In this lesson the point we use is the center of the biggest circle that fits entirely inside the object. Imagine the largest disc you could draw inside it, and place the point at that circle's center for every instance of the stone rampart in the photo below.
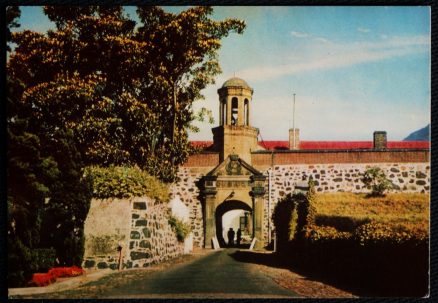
(332, 171)
(407, 177)
(139, 225)
(188, 192)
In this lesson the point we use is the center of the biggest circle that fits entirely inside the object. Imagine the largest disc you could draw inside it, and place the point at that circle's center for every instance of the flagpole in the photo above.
(293, 123)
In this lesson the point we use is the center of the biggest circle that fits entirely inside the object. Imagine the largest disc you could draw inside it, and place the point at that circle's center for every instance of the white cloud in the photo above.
(363, 30)
(321, 39)
(299, 34)
(307, 35)
(339, 55)
(325, 118)
(351, 115)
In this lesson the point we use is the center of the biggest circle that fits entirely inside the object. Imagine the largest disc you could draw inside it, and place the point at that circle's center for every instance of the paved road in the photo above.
(214, 275)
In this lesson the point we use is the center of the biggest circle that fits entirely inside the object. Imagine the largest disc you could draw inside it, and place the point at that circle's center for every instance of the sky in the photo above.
(353, 70)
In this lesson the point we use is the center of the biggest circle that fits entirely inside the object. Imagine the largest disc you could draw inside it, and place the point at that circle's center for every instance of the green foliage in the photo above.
(307, 208)
(375, 180)
(42, 259)
(374, 233)
(64, 214)
(293, 224)
(19, 262)
(379, 252)
(372, 257)
(326, 234)
(126, 182)
(182, 230)
(23, 261)
(341, 223)
(294, 216)
(98, 90)
(284, 220)
(132, 87)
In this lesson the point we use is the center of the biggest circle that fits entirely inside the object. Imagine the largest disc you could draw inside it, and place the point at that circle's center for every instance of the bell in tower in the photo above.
(234, 135)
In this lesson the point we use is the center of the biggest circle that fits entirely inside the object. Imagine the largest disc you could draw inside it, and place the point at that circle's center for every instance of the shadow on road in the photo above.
(346, 280)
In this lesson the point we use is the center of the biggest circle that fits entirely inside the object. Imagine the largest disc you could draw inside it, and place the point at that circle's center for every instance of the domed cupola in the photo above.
(236, 82)
(234, 135)
(234, 97)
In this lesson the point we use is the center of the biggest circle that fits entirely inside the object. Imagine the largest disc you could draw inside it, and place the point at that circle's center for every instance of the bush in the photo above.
(326, 234)
(42, 259)
(309, 211)
(181, 229)
(126, 182)
(375, 180)
(341, 223)
(293, 215)
(19, 263)
(386, 257)
(23, 262)
(379, 233)
(285, 220)
(293, 223)
(376, 260)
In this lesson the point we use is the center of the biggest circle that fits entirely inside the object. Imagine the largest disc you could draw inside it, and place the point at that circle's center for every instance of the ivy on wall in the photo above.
(125, 182)
(181, 229)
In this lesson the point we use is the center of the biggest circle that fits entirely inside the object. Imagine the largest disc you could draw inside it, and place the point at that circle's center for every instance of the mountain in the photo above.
(419, 135)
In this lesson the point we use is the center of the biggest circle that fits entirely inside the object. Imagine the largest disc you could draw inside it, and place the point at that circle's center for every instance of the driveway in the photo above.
(215, 275)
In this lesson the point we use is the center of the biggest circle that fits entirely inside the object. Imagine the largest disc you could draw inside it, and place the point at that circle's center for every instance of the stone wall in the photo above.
(407, 177)
(139, 225)
(329, 177)
(188, 192)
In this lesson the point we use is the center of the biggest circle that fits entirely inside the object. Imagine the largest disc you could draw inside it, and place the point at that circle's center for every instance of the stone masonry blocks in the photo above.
(148, 237)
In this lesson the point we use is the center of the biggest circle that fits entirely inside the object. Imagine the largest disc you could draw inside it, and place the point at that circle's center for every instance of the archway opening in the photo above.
(234, 215)
(224, 113)
(246, 112)
(234, 111)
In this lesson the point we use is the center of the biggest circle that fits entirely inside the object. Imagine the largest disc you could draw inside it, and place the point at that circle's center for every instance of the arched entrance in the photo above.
(233, 184)
(222, 227)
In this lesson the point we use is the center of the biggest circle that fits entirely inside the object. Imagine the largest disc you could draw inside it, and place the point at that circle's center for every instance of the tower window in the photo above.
(234, 111)
(224, 113)
(246, 112)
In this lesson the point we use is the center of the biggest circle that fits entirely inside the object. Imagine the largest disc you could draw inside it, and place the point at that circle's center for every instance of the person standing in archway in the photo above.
(230, 235)
(239, 236)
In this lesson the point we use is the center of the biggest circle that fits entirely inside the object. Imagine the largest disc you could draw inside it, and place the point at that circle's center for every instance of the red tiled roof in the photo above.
(409, 144)
(307, 145)
(201, 144)
(272, 145)
(336, 144)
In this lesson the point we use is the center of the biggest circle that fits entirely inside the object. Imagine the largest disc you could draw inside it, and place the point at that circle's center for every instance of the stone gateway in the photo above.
(238, 172)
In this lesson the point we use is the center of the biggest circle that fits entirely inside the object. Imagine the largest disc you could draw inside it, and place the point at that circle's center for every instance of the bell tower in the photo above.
(235, 135)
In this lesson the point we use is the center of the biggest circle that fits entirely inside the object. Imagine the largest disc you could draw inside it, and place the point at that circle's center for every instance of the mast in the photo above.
(293, 123)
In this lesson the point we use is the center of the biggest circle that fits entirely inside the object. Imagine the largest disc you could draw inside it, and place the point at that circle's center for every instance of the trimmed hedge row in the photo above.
(367, 257)
(370, 260)
(382, 259)
(369, 233)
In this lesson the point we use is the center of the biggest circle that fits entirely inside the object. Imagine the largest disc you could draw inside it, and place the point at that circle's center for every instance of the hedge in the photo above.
(126, 182)
(378, 259)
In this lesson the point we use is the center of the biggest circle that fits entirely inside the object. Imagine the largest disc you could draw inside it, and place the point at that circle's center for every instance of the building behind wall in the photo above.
(237, 163)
